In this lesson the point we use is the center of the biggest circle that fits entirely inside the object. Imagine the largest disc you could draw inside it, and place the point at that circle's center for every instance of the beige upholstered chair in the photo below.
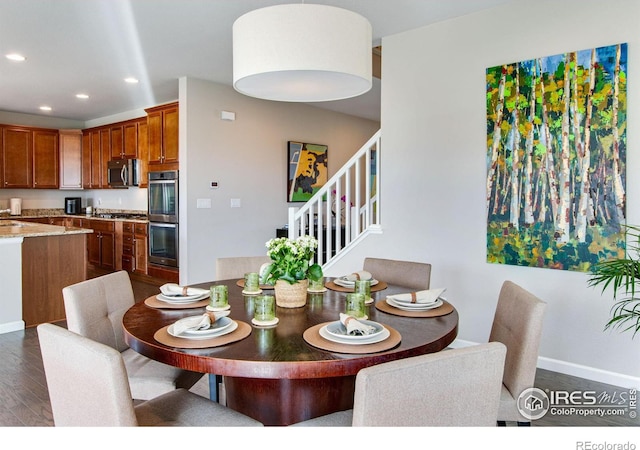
(414, 275)
(518, 325)
(236, 267)
(88, 386)
(95, 308)
(459, 387)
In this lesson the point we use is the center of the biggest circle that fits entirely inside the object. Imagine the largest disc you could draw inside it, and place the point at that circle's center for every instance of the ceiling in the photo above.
(90, 46)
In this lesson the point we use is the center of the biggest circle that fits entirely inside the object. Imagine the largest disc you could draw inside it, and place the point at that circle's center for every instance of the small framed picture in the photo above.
(307, 170)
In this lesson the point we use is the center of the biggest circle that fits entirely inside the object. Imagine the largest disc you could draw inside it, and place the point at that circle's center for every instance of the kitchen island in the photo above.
(36, 262)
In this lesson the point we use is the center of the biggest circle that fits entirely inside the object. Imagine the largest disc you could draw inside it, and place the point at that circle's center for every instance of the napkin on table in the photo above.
(422, 297)
(175, 290)
(198, 323)
(361, 275)
(354, 326)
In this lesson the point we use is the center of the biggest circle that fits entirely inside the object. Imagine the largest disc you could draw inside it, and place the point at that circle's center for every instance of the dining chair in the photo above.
(88, 386)
(409, 274)
(236, 267)
(458, 387)
(518, 325)
(94, 309)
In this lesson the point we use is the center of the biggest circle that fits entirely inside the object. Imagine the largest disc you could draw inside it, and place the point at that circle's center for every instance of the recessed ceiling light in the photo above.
(82, 96)
(15, 57)
(45, 108)
(131, 80)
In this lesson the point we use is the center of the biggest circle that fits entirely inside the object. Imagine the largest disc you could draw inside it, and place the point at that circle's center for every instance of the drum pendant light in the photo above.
(302, 53)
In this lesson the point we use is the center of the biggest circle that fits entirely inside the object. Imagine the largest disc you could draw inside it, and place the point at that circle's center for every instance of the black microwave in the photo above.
(122, 173)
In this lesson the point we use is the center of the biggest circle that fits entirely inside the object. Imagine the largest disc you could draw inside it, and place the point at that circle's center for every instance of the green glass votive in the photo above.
(264, 308)
(251, 282)
(219, 297)
(363, 287)
(316, 285)
(354, 305)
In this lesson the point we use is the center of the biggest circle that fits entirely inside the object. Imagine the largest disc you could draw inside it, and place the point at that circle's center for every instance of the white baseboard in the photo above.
(575, 370)
(12, 326)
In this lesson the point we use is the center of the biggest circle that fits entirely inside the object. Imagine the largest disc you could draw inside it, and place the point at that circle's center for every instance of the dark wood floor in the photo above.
(24, 400)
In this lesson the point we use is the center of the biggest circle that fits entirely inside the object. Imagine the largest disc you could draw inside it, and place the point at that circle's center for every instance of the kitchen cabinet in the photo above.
(29, 158)
(134, 247)
(116, 142)
(101, 248)
(130, 139)
(45, 159)
(143, 151)
(70, 148)
(92, 165)
(162, 122)
(17, 157)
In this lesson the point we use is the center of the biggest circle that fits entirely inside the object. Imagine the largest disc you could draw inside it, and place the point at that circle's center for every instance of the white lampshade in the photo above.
(302, 53)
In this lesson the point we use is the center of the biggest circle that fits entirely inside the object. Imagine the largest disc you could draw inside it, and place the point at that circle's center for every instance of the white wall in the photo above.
(434, 171)
(248, 158)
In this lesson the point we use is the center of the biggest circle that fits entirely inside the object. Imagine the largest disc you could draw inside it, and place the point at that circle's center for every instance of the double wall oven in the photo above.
(163, 218)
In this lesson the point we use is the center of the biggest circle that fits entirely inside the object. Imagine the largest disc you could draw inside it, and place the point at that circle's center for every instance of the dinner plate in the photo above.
(350, 284)
(181, 299)
(405, 299)
(218, 328)
(415, 306)
(342, 340)
(227, 330)
(338, 330)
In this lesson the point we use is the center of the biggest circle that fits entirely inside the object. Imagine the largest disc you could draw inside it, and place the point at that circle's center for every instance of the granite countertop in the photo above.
(16, 228)
(54, 212)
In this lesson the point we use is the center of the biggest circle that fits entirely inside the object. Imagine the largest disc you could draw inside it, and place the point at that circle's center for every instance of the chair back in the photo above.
(413, 275)
(518, 325)
(95, 307)
(459, 387)
(236, 267)
(87, 381)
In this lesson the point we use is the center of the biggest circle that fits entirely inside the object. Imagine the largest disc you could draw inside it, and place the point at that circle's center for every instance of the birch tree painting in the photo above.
(556, 149)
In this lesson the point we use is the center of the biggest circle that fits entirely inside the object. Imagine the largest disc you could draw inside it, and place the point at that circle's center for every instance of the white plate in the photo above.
(371, 340)
(338, 330)
(219, 327)
(405, 299)
(227, 330)
(180, 299)
(350, 284)
(415, 307)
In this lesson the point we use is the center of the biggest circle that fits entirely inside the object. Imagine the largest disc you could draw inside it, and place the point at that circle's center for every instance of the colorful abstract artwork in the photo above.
(556, 159)
(307, 169)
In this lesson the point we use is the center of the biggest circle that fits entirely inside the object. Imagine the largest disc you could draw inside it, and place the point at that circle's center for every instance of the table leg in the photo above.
(214, 387)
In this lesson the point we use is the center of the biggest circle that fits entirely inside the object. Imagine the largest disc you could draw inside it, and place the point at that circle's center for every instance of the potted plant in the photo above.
(622, 275)
(291, 269)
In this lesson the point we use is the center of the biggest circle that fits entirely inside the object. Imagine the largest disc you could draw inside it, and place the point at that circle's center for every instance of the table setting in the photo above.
(174, 296)
(425, 303)
(347, 283)
(351, 335)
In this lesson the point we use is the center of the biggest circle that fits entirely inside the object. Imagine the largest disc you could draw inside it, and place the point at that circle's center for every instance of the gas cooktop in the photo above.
(122, 216)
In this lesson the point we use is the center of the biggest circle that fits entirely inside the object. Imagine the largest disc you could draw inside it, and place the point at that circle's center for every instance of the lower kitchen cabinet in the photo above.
(101, 244)
(134, 247)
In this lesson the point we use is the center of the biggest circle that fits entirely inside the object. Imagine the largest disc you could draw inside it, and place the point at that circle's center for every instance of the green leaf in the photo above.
(315, 272)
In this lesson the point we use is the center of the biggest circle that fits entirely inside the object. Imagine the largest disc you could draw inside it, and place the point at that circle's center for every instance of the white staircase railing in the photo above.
(348, 206)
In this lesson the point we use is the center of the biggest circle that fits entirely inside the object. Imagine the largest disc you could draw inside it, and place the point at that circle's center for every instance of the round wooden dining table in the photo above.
(274, 375)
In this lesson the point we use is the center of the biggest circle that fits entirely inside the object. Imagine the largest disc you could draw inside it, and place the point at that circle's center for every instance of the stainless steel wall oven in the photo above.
(163, 218)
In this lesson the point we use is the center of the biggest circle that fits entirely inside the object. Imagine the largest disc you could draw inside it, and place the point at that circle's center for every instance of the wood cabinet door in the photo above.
(143, 152)
(93, 248)
(17, 157)
(108, 250)
(170, 134)
(140, 248)
(130, 140)
(86, 159)
(154, 134)
(116, 143)
(105, 155)
(96, 160)
(45, 159)
(71, 166)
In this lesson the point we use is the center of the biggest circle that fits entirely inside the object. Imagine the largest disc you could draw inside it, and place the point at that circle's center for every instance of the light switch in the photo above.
(235, 203)
(203, 203)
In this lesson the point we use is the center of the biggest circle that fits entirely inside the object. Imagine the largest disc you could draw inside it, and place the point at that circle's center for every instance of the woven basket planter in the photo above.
(291, 295)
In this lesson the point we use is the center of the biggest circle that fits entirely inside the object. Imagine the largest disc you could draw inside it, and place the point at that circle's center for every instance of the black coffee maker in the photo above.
(73, 205)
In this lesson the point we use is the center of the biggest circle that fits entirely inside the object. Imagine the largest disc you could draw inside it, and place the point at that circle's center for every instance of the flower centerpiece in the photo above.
(291, 268)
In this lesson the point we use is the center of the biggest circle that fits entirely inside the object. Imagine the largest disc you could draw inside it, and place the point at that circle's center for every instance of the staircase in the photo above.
(346, 208)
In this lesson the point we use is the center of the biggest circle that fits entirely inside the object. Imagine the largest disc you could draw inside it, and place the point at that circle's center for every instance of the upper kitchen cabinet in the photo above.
(45, 159)
(17, 157)
(70, 149)
(162, 122)
(92, 173)
(29, 158)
